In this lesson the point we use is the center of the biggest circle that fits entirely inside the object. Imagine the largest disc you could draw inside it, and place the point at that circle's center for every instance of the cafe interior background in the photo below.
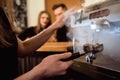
(104, 67)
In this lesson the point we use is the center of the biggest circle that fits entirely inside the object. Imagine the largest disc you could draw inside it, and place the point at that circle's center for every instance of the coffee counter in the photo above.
(54, 47)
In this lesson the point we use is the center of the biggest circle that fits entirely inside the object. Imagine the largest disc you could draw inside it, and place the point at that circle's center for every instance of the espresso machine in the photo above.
(95, 34)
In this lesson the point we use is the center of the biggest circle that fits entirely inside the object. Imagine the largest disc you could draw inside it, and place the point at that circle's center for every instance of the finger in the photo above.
(63, 72)
(69, 13)
(69, 63)
(63, 55)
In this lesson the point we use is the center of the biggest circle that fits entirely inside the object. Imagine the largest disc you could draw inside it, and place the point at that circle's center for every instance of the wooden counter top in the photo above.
(54, 47)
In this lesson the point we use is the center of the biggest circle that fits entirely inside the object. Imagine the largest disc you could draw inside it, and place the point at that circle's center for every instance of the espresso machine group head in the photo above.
(90, 50)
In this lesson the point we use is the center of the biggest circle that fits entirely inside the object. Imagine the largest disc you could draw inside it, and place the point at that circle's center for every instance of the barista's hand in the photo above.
(52, 65)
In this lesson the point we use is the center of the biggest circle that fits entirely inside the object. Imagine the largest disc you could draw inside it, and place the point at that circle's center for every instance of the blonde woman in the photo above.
(44, 21)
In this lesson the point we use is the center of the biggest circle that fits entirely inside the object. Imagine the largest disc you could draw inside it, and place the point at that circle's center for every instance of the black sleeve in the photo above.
(29, 32)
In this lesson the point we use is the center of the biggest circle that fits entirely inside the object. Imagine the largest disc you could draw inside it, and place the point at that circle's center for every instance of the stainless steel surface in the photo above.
(105, 23)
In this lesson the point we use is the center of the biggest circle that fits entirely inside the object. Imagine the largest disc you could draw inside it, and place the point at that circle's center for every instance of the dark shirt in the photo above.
(8, 57)
(61, 34)
(29, 32)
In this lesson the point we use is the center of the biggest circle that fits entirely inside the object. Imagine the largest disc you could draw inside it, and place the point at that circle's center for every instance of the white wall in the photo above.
(33, 8)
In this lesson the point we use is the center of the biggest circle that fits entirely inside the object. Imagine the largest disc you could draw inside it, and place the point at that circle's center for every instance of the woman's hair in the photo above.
(38, 27)
(4, 24)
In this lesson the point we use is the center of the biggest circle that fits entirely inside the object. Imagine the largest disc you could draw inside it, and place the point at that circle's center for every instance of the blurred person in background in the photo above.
(61, 34)
(44, 21)
(11, 47)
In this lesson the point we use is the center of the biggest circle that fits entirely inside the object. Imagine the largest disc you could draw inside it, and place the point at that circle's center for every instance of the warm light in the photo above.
(92, 2)
(93, 26)
(79, 10)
